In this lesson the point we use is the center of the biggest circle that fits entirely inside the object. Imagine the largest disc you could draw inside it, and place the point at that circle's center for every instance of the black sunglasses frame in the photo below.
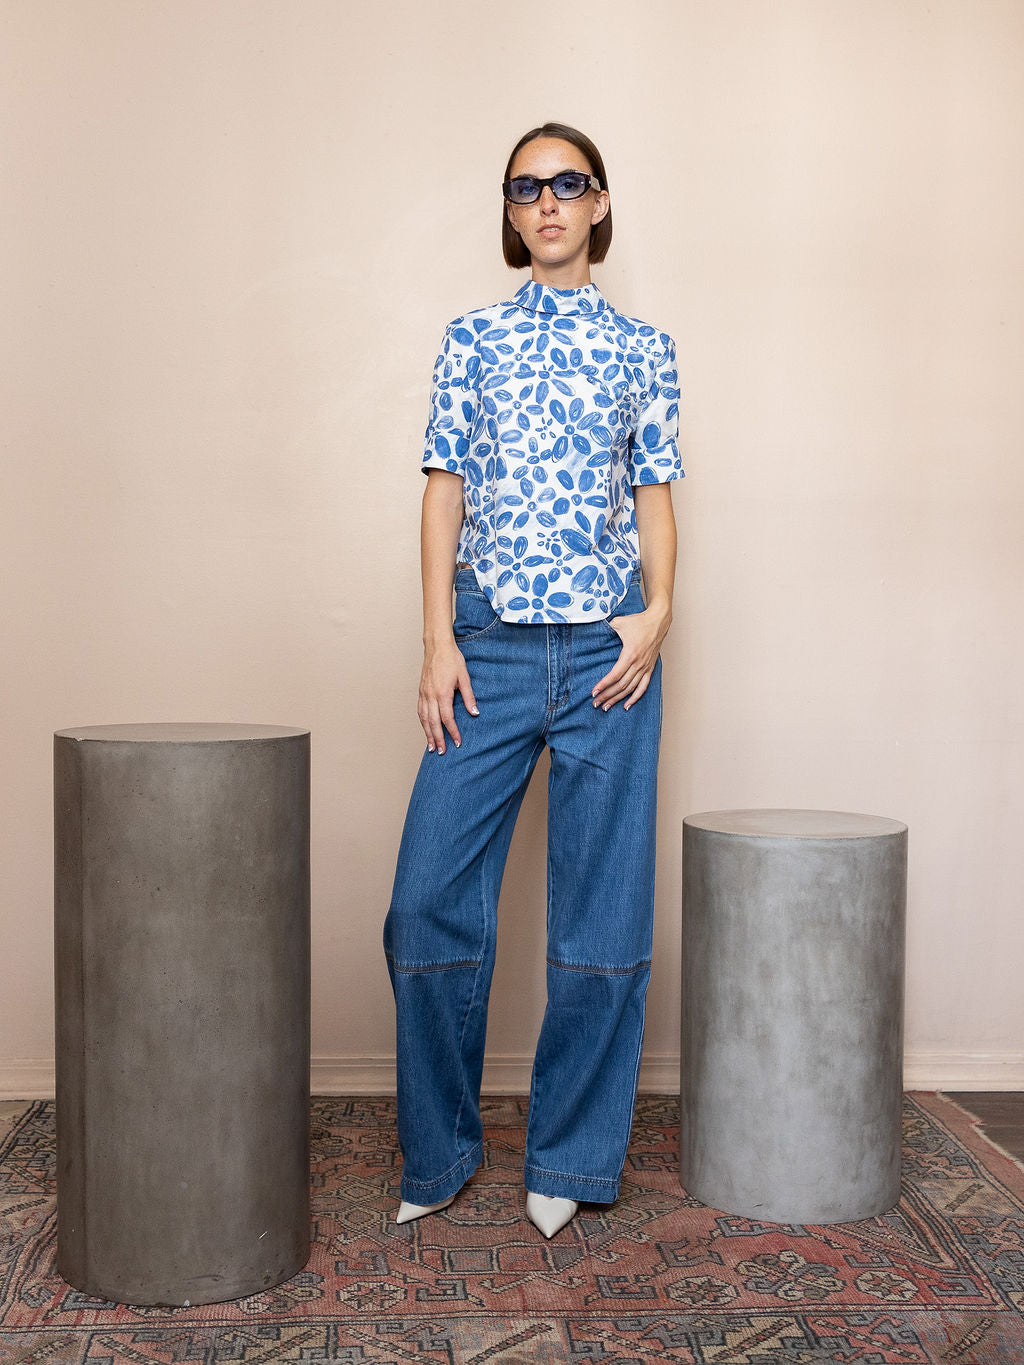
(591, 183)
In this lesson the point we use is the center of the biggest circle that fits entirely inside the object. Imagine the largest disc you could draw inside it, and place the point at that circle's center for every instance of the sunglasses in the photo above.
(526, 189)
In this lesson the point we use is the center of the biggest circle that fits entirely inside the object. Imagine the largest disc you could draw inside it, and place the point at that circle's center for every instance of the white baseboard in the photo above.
(963, 1071)
(503, 1075)
(27, 1078)
(32, 1078)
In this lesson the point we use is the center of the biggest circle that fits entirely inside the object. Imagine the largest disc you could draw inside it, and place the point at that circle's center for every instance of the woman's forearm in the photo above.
(656, 530)
(642, 632)
(440, 524)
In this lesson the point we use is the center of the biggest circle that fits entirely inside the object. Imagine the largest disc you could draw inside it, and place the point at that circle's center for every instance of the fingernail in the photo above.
(430, 748)
(475, 710)
(458, 744)
(605, 708)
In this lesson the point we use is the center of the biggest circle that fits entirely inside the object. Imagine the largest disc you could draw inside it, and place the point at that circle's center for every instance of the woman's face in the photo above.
(556, 232)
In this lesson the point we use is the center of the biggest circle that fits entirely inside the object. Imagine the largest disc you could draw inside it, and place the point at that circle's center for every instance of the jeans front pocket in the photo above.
(474, 615)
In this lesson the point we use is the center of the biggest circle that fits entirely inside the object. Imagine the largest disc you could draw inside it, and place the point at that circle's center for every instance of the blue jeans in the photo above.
(532, 684)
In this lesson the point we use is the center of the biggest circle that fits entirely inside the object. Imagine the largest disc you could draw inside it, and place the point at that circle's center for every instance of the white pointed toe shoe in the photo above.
(548, 1212)
(407, 1212)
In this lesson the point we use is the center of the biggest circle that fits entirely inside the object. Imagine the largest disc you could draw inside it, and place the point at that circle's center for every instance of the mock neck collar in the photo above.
(544, 298)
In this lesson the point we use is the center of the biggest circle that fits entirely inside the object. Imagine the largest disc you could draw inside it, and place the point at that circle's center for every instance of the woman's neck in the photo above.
(572, 276)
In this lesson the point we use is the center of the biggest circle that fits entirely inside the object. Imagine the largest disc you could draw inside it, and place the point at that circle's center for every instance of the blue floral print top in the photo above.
(552, 406)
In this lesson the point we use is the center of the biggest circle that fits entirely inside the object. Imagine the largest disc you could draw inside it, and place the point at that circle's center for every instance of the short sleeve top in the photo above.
(552, 406)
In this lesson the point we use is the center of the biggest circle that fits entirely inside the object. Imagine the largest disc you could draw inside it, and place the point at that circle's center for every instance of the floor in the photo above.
(1000, 1112)
(9, 1111)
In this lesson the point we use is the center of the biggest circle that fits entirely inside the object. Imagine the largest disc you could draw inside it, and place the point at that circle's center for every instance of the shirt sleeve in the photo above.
(452, 404)
(654, 443)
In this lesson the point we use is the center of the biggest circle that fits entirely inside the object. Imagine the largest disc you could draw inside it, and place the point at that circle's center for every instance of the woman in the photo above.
(549, 451)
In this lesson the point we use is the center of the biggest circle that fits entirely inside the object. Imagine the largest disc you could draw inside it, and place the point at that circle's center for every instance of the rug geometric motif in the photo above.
(656, 1276)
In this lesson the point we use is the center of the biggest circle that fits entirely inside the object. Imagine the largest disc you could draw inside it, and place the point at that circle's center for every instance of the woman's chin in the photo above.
(554, 251)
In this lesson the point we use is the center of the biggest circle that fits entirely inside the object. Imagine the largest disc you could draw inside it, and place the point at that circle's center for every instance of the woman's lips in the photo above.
(552, 231)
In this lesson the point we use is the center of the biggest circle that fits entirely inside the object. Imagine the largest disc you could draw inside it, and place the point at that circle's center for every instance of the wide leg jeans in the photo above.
(533, 687)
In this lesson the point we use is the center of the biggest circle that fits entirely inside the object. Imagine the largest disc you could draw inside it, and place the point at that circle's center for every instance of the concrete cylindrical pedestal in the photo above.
(182, 974)
(792, 1035)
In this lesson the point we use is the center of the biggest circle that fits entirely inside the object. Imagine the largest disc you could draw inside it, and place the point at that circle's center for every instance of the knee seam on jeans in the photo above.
(431, 966)
(596, 970)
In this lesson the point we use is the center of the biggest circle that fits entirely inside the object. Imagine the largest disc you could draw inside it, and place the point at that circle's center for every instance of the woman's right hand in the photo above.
(444, 671)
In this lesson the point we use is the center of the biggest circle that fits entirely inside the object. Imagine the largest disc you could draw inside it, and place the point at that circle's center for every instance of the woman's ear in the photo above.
(602, 203)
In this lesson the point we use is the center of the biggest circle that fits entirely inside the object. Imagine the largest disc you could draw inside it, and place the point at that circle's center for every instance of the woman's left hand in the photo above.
(642, 633)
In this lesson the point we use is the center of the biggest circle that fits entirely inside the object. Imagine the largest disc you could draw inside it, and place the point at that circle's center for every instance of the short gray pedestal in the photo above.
(182, 974)
(792, 1036)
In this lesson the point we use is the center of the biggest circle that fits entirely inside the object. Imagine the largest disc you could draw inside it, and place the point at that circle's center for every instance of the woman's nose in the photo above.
(547, 200)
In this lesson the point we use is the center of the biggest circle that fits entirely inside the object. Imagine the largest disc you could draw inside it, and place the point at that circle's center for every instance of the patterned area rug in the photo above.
(654, 1277)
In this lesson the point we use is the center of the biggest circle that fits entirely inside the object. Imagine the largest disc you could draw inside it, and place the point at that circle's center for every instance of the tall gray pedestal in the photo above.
(182, 973)
(792, 1036)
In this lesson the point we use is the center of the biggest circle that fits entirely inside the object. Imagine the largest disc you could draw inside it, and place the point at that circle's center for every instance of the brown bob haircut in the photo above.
(512, 246)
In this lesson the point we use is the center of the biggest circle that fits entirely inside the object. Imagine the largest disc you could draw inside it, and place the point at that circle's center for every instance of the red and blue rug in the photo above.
(654, 1277)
